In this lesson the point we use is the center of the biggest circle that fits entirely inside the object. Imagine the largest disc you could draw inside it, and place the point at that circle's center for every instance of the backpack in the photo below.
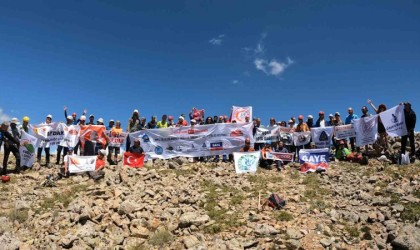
(276, 202)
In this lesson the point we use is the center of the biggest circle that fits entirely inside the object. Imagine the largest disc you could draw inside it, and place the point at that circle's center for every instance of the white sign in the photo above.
(246, 162)
(394, 121)
(344, 131)
(366, 130)
(27, 149)
(239, 113)
(79, 164)
(322, 136)
(301, 138)
(267, 134)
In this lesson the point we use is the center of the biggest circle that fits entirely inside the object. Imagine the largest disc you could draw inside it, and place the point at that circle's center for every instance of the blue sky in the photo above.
(284, 58)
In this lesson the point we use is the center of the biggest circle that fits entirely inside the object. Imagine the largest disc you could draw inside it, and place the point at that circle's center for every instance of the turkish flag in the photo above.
(133, 160)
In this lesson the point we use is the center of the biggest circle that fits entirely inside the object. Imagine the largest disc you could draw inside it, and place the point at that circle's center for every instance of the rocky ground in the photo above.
(176, 204)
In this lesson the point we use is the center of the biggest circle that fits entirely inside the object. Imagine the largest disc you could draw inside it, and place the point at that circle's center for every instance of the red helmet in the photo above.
(5, 178)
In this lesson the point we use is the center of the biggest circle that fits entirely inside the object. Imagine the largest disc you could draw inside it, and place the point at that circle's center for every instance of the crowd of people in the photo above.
(10, 133)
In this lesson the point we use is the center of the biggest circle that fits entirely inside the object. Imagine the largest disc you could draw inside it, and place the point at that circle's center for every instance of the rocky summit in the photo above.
(175, 204)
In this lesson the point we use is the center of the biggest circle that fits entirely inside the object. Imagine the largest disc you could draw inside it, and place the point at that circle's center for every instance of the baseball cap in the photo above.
(310, 117)
(337, 113)
(91, 116)
(182, 118)
(15, 121)
(69, 117)
(49, 116)
(193, 121)
(82, 118)
(100, 120)
(331, 115)
(136, 111)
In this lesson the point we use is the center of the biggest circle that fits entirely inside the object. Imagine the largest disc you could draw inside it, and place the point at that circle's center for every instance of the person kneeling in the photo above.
(100, 164)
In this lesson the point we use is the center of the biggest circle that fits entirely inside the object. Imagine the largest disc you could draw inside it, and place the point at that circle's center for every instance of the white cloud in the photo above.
(217, 40)
(235, 82)
(274, 67)
(3, 116)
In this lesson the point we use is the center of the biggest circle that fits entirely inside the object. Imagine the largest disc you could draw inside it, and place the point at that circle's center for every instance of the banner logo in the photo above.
(246, 162)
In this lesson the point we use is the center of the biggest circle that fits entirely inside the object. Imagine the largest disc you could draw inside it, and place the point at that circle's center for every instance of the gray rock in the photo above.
(293, 244)
(381, 201)
(325, 242)
(192, 218)
(293, 233)
(190, 241)
(408, 238)
(9, 241)
(22, 205)
(126, 207)
(264, 229)
(173, 165)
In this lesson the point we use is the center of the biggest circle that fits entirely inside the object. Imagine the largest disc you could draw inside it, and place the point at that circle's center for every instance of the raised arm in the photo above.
(372, 105)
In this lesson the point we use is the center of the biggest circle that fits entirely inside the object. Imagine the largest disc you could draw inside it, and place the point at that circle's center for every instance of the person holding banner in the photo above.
(64, 172)
(136, 148)
(281, 149)
(74, 115)
(114, 150)
(45, 145)
(11, 145)
(349, 120)
(247, 147)
(266, 163)
(383, 136)
(25, 124)
(63, 146)
(410, 121)
(100, 164)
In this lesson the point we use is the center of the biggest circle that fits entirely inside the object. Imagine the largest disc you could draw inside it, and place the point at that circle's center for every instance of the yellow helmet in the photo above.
(25, 119)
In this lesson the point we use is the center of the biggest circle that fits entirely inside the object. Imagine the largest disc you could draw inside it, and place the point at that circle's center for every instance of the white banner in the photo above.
(79, 164)
(366, 130)
(286, 135)
(344, 131)
(246, 162)
(322, 136)
(27, 149)
(71, 136)
(301, 138)
(394, 121)
(197, 141)
(239, 113)
(267, 134)
(116, 139)
(50, 134)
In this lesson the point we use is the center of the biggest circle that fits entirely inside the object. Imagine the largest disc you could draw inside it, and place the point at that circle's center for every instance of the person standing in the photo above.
(163, 123)
(321, 123)
(11, 145)
(45, 144)
(114, 150)
(25, 124)
(410, 122)
(74, 115)
(133, 126)
(349, 120)
(63, 144)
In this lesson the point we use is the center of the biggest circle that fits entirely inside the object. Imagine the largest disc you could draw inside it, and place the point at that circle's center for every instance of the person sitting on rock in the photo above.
(281, 149)
(136, 148)
(247, 147)
(342, 152)
(65, 170)
(266, 163)
(100, 164)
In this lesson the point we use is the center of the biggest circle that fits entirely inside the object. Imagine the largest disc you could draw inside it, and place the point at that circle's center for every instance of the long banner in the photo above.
(267, 134)
(278, 156)
(27, 149)
(197, 141)
(312, 160)
(394, 121)
(366, 130)
(322, 136)
(344, 131)
(246, 162)
(52, 133)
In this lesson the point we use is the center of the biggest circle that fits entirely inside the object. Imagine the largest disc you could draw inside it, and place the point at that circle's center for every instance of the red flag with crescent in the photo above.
(133, 160)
